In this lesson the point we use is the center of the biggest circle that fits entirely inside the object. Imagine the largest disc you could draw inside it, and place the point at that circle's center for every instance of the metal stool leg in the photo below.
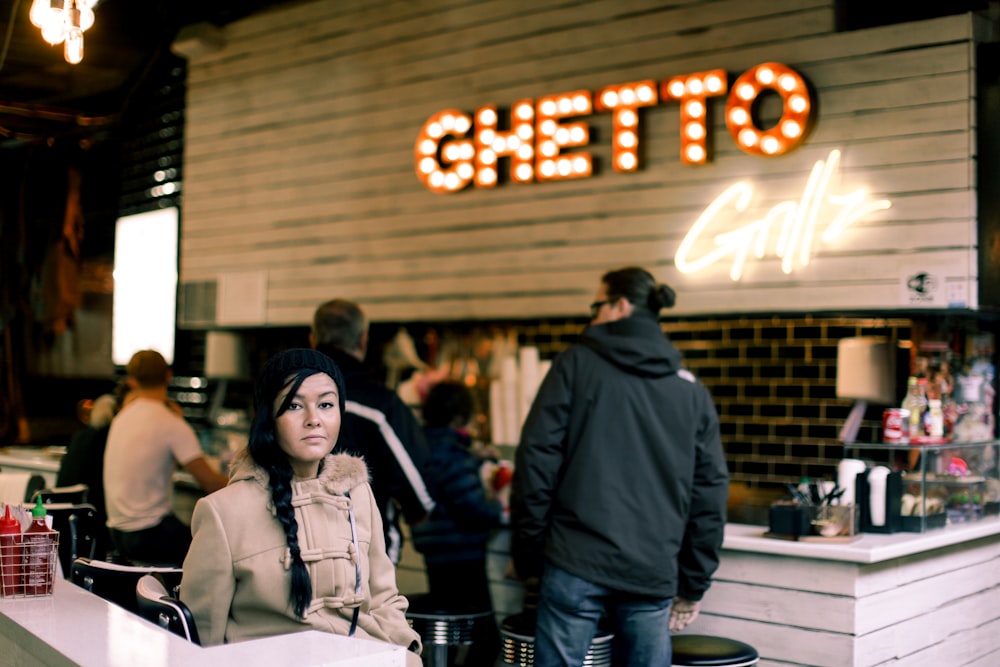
(436, 655)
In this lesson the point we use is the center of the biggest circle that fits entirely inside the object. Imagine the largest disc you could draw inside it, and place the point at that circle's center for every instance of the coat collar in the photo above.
(339, 473)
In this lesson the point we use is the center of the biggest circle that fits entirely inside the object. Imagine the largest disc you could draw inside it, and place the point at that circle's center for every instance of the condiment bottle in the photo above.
(38, 541)
(936, 420)
(10, 555)
(916, 402)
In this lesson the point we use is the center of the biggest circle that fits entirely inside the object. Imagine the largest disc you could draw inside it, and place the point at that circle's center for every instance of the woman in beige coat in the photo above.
(295, 541)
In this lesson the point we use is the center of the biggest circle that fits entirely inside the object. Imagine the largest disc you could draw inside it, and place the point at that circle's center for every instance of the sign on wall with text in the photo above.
(749, 154)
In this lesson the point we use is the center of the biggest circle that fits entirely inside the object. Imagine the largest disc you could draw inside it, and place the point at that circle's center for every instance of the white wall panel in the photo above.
(300, 134)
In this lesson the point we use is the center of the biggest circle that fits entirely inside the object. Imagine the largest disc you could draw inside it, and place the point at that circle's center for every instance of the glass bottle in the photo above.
(916, 402)
(10, 555)
(935, 427)
(39, 553)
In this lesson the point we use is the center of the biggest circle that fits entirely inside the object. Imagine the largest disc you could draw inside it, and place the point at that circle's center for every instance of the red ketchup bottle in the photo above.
(39, 553)
(10, 555)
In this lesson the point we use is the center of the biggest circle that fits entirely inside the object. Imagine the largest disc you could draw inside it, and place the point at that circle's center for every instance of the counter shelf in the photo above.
(950, 483)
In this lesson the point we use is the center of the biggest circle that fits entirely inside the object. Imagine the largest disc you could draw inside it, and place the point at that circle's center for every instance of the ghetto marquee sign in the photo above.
(446, 160)
(729, 230)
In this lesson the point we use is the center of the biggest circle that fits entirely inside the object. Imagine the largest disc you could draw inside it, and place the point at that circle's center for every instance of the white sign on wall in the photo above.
(933, 287)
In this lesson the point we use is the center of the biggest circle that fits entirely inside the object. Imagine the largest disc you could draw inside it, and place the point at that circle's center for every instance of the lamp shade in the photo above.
(225, 355)
(865, 370)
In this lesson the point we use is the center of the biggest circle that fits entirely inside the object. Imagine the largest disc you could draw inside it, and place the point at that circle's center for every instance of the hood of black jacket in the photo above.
(635, 344)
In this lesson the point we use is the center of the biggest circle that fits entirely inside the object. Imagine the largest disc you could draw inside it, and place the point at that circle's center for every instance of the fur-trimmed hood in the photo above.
(339, 473)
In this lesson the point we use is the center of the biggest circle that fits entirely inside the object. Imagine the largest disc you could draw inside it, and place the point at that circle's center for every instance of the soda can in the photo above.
(896, 425)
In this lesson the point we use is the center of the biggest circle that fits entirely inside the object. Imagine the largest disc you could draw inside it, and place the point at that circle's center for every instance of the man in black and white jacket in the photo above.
(377, 425)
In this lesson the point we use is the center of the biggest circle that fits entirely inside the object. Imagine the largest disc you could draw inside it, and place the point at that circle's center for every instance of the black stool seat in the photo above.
(708, 651)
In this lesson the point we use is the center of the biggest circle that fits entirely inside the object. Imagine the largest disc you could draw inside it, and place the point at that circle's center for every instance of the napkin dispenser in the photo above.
(892, 500)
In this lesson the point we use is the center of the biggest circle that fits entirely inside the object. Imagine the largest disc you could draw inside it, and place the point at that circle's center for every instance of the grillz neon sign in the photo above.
(797, 222)
(447, 161)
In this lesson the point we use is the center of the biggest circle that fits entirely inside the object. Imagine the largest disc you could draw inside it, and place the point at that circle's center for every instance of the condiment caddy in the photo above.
(29, 552)
(815, 513)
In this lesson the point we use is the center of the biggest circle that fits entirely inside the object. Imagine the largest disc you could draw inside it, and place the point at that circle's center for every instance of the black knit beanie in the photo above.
(274, 376)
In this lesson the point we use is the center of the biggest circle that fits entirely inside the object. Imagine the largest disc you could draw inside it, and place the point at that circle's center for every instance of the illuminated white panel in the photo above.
(145, 293)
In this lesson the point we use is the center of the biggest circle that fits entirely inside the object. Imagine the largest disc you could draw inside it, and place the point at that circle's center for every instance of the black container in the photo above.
(893, 503)
(788, 519)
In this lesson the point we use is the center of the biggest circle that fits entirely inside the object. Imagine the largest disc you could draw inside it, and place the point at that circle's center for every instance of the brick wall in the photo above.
(774, 384)
(773, 378)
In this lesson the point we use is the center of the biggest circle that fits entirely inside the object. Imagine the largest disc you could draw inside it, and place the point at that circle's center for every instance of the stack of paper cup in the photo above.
(847, 475)
(877, 477)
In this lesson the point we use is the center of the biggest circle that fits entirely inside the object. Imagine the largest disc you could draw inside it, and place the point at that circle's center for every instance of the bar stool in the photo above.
(441, 629)
(517, 643)
(709, 651)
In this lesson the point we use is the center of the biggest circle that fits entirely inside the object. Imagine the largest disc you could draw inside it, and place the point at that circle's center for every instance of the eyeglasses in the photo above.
(595, 307)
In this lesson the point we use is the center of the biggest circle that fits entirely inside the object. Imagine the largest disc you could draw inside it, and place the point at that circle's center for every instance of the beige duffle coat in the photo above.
(237, 578)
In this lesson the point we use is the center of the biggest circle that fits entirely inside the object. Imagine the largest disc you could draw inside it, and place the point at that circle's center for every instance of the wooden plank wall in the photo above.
(936, 608)
(300, 134)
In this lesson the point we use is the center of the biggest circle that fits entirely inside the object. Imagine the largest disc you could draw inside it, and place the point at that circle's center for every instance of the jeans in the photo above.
(569, 609)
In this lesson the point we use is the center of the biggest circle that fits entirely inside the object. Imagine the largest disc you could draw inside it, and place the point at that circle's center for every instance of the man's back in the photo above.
(145, 443)
(378, 426)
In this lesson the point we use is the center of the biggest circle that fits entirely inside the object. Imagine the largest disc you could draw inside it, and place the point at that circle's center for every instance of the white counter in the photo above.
(906, 598)
(866, 548)
(917, 599)
(46, 461)
(76, 628)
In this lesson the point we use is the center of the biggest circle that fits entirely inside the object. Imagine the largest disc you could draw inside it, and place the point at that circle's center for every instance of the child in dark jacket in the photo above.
(453, 539)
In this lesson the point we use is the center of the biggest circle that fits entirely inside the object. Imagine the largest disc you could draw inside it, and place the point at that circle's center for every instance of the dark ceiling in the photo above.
(41, 95)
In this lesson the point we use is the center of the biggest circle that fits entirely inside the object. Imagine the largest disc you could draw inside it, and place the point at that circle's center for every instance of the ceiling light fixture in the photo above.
(64, 21)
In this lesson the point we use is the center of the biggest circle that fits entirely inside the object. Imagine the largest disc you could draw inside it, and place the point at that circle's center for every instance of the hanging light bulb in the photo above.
(73, 49)
(86, 16)
(53, 33)
(71, 16)
(64, 20)
(45, 12)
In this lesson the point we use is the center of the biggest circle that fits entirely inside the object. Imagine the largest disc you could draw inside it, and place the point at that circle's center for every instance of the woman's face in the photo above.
(308, 429)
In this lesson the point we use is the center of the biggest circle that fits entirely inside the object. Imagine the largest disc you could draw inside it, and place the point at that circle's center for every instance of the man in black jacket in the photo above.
(620, 485)
(377, 425)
